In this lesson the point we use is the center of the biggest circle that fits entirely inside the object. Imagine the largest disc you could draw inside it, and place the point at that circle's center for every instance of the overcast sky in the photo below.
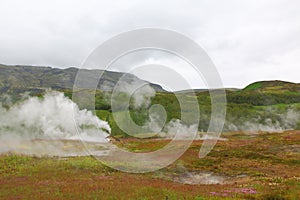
(248, 40)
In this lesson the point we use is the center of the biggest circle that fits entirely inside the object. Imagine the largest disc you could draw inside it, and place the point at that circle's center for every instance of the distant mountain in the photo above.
(273, 87)
(18, 79)
(23, 78)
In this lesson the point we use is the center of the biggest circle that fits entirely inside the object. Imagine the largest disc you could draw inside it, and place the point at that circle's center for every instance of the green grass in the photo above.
(253, 86)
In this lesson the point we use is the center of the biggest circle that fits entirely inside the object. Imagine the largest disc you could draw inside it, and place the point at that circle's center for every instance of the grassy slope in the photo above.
(243, 105)
(273, 87)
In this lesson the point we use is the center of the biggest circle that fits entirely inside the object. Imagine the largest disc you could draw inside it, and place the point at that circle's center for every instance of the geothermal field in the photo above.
(245, 166)
(149, 100)
(53, 149)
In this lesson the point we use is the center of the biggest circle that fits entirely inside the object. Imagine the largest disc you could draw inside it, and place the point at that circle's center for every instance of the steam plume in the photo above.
(48, 118)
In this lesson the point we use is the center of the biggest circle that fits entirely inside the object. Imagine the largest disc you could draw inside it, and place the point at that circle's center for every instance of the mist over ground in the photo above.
(27, 125)
(48, 118)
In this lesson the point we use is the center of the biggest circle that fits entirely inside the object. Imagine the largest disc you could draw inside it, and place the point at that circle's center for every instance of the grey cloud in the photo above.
(257, 38)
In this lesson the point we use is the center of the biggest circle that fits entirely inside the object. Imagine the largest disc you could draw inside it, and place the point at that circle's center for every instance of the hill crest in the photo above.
(275, 86)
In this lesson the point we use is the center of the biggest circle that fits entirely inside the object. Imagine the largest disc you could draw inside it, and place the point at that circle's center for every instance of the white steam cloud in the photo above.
(140, 91)
(50, 118)
(279, 122)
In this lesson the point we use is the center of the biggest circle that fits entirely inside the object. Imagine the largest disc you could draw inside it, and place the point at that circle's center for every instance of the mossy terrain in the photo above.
(261, 166)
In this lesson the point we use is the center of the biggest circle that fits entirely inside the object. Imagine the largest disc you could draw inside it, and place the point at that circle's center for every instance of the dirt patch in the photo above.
(204, 178)
(200, 178)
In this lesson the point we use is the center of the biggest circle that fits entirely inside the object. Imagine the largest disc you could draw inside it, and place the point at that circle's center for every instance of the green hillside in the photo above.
(273, 87)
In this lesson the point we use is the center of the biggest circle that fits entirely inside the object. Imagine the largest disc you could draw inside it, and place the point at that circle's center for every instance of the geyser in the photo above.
(26, 126)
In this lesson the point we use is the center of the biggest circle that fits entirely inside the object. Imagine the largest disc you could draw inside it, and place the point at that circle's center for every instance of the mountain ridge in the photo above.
(23, 77)
(18, 77)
